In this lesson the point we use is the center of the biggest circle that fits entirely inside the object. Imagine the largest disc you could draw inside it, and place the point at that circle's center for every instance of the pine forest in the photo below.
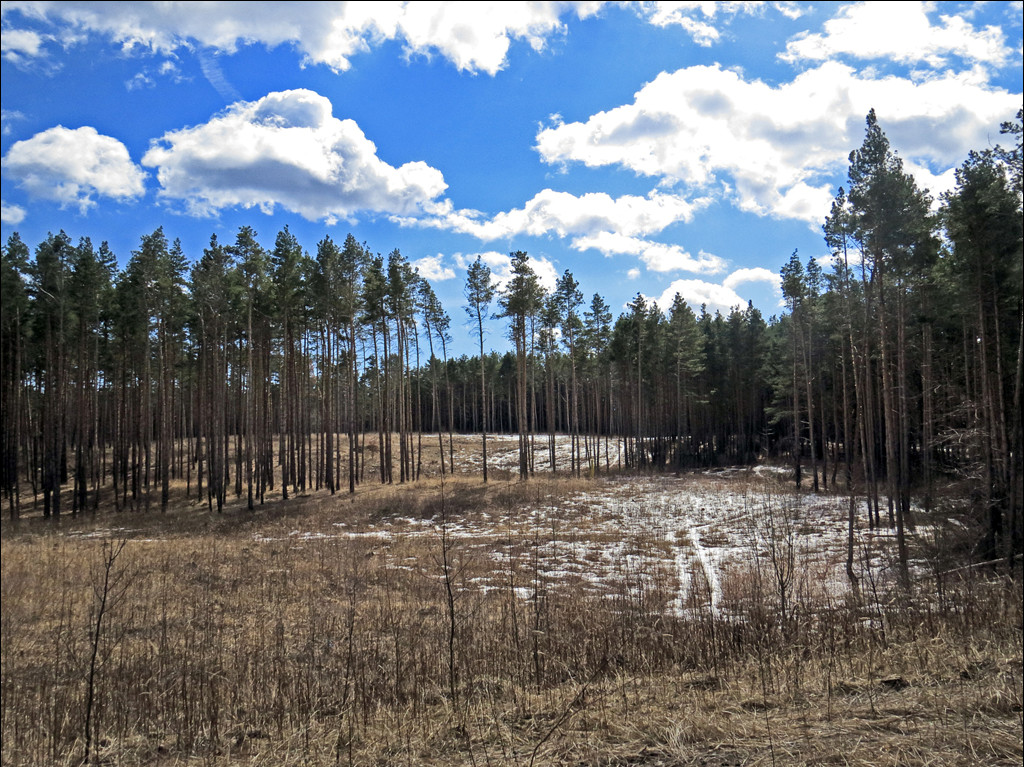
(224, 399)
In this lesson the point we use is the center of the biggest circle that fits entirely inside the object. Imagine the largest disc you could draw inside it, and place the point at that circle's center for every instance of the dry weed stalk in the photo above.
(267, 641)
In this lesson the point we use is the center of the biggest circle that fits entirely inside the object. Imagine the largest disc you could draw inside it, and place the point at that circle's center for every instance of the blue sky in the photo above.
(647, 147)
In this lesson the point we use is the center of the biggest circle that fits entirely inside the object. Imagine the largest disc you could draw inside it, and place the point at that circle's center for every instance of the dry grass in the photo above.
(320, 632)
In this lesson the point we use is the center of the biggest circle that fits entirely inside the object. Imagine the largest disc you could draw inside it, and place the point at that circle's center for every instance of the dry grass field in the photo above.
(702, 619)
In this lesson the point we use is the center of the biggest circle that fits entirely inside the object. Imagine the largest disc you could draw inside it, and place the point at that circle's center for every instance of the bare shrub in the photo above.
(494, 627)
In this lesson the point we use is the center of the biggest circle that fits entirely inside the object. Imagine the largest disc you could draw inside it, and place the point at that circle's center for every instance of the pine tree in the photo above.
(570, 299)
(983, 219)
(520, 301)
(14, 322)
(597, 331)
(289, 305)
(216, 298)
(479, 294)
(892, 224)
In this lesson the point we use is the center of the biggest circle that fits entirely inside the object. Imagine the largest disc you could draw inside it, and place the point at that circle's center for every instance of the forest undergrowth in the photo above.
(646, 620)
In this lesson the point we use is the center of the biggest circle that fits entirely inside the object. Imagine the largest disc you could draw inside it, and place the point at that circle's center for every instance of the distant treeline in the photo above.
(254, 370)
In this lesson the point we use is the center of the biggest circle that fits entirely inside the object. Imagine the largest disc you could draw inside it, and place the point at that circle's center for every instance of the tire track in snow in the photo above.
(685, 533)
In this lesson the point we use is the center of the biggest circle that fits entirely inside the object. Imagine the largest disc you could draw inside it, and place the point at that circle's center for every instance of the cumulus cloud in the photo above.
(773, 150)
(756, 274)
(72, 166)
(475, 37)
(433, 268)
(500, 265)
(935, 183)
(699, 293)
(19, 46)
(598, 221)
(286, 149)
(658, 257)
(902, 32)
(11, 214)
(723, 297)
(564, 214)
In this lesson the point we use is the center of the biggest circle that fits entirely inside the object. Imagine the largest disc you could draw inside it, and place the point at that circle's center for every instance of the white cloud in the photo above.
(215, 76)
(20, 45)
(287, 149)
(433, 268)
(500, 265)
(791, 9)
(756, 274)
(11, 214)
(8, 116)
(825, 261)
(565, 214)
(139, 81)
(474, 37)
(681, 14)
(935, 183)
(72, 166)
(699, 293)
(697, 17)
(902, 32)
(147, 76)
(724, 296)
(658, 257)
(776, 149)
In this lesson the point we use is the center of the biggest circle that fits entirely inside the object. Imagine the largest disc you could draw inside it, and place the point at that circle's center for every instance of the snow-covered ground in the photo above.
(503, 452)
(701, 542)
(697, 542)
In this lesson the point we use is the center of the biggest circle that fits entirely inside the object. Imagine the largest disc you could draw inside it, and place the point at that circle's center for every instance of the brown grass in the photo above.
(302, 634)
